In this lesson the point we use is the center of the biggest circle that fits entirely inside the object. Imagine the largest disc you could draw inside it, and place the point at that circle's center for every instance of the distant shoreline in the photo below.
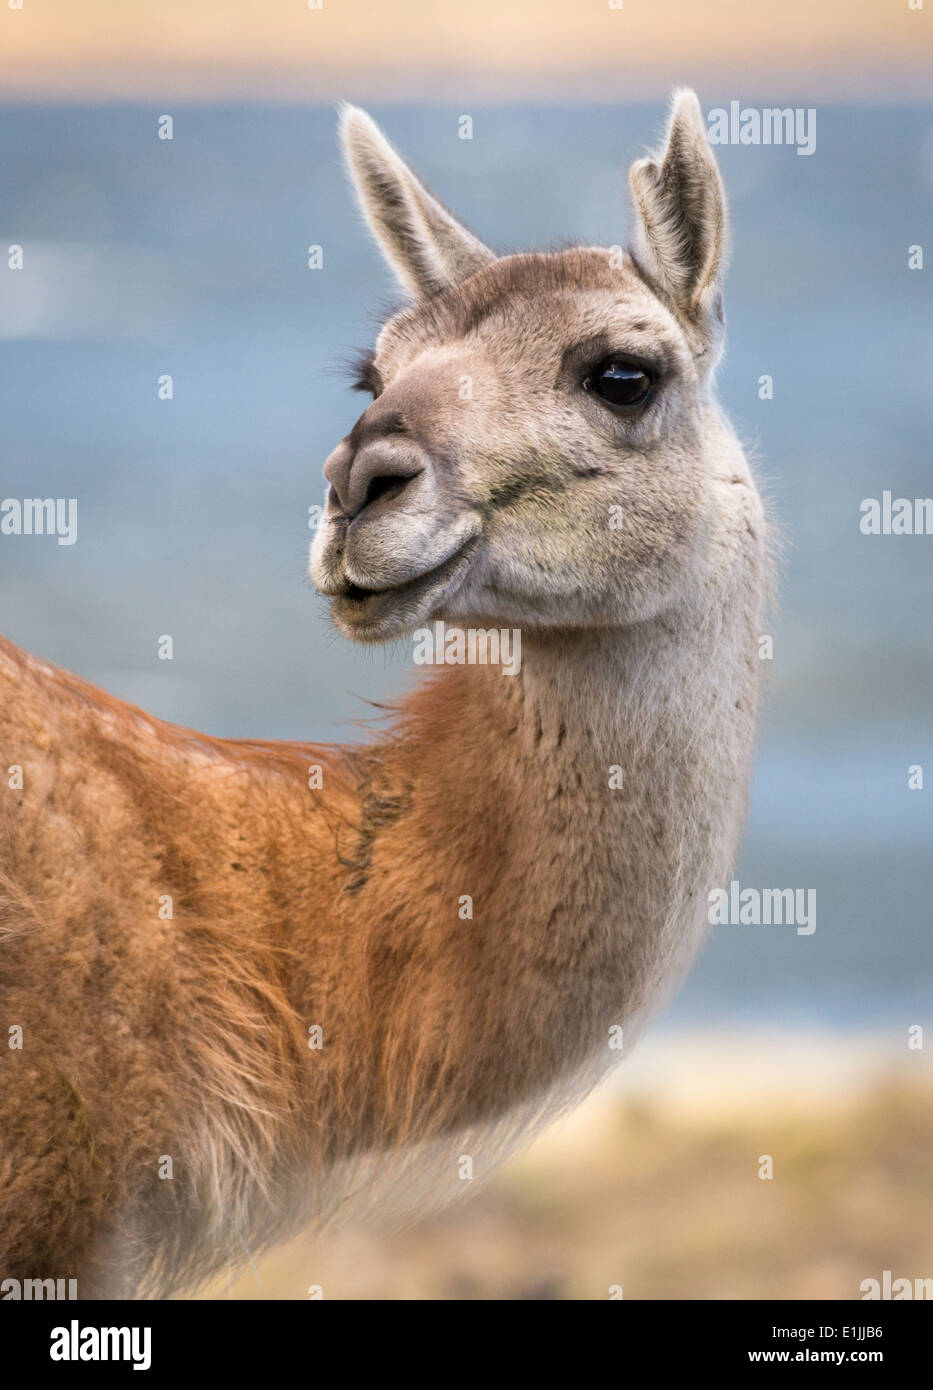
(700, 1070)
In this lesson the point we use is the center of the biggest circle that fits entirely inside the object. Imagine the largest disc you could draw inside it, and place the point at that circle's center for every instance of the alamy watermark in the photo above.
(38, 1290)
(440, 645)
(77, 1343)
(770, 125)
(763, 907)
(40, 516)
(889, 1288)
(888, 515)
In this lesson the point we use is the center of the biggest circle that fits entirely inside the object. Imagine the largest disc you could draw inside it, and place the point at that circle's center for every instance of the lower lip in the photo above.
(354, 609)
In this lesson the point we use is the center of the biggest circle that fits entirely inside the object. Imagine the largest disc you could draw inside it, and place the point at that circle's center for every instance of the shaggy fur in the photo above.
(339, 908)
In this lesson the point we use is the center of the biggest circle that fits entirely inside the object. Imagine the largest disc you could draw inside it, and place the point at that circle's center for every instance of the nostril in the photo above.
(380, 470)
(383, 485)
(386, 485)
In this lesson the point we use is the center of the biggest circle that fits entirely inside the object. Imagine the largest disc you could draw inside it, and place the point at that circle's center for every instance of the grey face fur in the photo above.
(489, 482)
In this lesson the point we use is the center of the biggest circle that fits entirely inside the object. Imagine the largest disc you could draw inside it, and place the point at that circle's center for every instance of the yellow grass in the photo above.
(663, 1196)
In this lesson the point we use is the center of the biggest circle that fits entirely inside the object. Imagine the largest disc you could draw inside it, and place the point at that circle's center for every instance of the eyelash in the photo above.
(365, 377)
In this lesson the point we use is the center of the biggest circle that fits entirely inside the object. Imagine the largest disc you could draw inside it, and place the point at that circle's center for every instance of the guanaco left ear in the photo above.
(681, 236)
(426, 246)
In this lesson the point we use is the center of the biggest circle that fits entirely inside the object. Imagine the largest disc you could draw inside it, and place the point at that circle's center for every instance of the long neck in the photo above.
(532, 866)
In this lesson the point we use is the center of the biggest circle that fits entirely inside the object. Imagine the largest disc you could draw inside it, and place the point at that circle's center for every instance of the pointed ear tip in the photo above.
(685, 106)
(353, 122)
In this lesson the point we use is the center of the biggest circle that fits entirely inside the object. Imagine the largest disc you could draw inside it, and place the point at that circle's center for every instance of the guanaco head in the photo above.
(537, 449)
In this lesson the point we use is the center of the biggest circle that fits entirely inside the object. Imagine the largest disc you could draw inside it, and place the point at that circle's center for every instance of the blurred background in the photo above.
(189, 257)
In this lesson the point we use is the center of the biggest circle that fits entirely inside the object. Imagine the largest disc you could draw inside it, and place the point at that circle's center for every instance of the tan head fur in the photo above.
(482, 482)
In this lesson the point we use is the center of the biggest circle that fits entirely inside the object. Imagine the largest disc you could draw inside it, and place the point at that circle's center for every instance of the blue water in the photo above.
(188, 257)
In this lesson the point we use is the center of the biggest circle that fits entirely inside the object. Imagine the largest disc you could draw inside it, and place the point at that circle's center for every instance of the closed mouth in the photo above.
(358, 595)
(359, 606)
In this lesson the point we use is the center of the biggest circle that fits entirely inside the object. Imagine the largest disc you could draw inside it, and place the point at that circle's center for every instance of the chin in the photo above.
(369, 622)
(383, 615)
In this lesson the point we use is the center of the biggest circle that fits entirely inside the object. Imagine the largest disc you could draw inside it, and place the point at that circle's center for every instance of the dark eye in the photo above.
(619, 383)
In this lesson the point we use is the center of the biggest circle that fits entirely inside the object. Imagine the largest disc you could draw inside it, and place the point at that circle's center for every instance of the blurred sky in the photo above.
(496, 50)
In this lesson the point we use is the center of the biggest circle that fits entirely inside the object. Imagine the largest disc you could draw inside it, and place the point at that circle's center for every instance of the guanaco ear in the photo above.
(421, 239)
(681, 235)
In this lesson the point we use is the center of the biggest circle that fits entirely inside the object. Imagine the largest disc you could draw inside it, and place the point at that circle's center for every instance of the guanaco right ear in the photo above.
(681, 234)
(421, 239)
